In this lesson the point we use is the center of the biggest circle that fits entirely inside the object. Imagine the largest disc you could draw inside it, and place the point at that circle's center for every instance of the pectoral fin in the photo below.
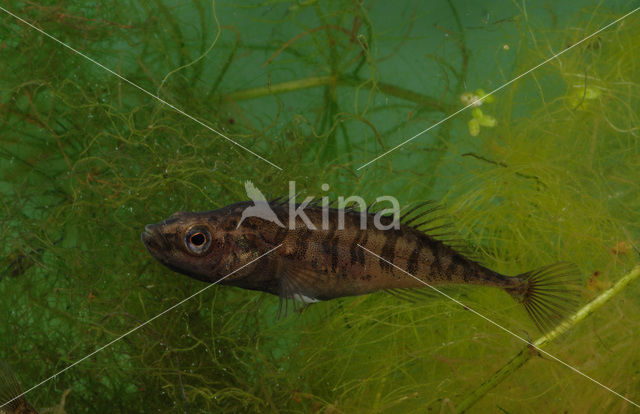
(298, 283)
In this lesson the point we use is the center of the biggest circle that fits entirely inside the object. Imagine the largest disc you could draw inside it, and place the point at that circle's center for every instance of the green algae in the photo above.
(319, 89)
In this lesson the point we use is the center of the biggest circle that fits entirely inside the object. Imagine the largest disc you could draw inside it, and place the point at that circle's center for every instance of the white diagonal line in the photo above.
(139, 326)
(178, 110)
(497, 89)
(505, 329)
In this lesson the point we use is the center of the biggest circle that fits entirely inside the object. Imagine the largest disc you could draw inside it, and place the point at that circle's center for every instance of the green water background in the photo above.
(87, 160)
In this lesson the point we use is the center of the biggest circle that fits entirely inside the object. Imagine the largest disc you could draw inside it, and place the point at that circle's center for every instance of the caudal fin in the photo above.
(9, 391)
(549, 293)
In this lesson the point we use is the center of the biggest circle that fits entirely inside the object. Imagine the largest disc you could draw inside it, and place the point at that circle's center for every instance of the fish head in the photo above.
(189, 243)
(207, 246)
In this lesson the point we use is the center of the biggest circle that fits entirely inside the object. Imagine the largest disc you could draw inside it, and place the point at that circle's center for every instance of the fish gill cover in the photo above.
(547, 169)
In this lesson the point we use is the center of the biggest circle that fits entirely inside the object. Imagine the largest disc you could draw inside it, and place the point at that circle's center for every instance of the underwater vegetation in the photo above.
(548, 171)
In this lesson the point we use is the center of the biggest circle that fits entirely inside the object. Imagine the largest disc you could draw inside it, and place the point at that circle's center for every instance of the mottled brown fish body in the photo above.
(329, 254)
(345, 268)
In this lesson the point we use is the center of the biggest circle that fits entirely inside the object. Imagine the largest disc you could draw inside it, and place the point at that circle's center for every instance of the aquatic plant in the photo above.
(318, 89)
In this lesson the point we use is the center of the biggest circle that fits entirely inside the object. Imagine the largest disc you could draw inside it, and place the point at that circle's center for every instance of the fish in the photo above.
(9, 390)
(337, 252)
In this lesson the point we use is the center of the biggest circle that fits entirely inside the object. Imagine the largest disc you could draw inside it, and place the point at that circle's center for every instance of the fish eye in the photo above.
(197, 240)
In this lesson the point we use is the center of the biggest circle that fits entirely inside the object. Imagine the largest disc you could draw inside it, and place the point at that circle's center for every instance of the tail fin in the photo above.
(9, 390)
(548, 294)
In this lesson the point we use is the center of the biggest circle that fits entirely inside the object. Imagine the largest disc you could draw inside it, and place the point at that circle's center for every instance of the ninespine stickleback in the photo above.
(317, 263)
(9, 390)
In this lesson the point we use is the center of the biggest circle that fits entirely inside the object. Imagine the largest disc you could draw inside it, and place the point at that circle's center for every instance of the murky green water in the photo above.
(547, 169)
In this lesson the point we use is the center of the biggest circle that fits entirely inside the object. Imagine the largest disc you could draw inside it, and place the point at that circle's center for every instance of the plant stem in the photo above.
(316, 81)
(527, 352)
(281, 88)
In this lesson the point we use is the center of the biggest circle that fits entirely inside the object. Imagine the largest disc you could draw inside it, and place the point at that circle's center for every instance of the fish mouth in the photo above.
(152, 239)
(147, 234)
